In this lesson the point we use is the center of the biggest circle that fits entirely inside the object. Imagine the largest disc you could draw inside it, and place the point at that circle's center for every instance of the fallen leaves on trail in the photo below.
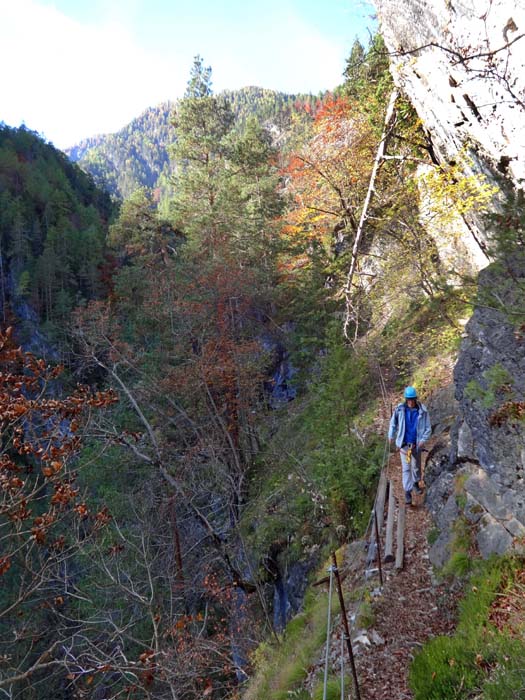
(411, 610)
(508, 609)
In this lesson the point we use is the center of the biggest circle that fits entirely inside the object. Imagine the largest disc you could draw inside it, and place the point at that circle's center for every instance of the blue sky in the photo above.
(75, 68)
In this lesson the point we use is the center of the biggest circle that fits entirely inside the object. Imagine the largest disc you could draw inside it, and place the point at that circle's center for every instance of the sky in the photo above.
(75, 68)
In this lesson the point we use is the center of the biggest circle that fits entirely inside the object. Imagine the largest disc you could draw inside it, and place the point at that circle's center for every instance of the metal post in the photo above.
(328, 625)
(378, 543)
(346, 628)
(342, 666)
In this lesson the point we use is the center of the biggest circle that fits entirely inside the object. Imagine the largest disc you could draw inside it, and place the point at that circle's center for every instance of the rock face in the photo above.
(490, 388)
(461, 62)
(477, 469)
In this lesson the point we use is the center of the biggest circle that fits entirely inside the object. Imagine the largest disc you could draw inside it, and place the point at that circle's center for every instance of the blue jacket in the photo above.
(397, 424)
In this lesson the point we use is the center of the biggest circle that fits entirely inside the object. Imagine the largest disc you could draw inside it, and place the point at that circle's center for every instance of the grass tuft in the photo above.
(479, 661)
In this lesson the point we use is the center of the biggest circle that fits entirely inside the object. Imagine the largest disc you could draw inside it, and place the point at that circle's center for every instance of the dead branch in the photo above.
(387, 131)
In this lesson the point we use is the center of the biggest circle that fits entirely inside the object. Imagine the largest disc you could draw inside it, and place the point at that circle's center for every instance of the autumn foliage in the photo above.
(326, 176)
(44, 518)
(39, 437)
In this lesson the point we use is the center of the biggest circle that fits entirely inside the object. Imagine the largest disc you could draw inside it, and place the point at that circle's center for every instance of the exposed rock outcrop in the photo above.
(477, 470)
(490, 384)
(461, 62)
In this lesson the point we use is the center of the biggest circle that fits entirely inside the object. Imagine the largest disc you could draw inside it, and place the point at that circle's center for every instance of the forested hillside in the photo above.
(139, 154)
(226, 345)
(53, 223)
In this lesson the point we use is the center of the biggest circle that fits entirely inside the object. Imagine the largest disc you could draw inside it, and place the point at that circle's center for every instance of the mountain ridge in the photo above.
(138, 154)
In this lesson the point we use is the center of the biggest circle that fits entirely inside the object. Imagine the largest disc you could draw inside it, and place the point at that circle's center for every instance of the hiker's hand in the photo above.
(420, 445)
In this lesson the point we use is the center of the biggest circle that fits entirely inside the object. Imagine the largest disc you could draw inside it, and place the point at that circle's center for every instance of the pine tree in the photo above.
(202, 123)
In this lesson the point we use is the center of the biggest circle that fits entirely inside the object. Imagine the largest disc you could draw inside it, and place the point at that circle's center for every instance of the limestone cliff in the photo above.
(477, 469)
(461, 62)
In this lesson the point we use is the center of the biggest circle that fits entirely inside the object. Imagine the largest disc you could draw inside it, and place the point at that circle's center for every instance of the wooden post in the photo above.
(379, 509)
(381, 498)
(378, 543)
(389, 541)
(400, 552)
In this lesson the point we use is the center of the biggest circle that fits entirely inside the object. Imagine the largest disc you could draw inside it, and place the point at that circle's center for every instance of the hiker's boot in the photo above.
(408, 498)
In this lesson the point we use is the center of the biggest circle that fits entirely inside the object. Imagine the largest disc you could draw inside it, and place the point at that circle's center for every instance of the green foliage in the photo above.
(199, 83)
(452, 192)
(134, 157)
(315, 481)
(140, 230)
(52, 226)
(508, 227)
(475, 392)
(421, 337)
(333, 688)
(432, 536)
(138, 155)
(24, 283)
(460, 561)
(478, 660)
(226, 183)
(506, 680)
(367, 77)
(366, 615)
(498, 378)
(498, 381)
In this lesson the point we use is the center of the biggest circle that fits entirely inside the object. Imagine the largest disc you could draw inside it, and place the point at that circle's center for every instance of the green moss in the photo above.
(498, 382)
(498, 378)
(459, 482)
(475, 393)
(432, 535)
(366, 616)
(459, 490)
(461, 500)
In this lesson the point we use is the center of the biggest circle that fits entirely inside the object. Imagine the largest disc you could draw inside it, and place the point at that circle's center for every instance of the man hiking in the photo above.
(410, 426)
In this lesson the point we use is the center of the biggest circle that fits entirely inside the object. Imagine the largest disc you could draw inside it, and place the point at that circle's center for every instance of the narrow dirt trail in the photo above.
(410, 610)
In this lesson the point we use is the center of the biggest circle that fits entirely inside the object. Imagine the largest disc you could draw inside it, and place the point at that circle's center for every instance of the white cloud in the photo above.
(69, 81)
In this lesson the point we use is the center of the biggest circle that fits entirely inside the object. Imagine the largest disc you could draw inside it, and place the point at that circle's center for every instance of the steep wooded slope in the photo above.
(53, 221)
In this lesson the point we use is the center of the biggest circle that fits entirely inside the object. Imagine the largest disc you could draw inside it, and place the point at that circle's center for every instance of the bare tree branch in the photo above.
(387, 131)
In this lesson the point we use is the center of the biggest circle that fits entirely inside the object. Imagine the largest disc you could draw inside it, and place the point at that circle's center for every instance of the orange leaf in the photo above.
(5, 565)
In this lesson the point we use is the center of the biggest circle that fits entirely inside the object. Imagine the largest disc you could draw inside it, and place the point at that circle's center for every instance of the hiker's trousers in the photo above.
(412, 470)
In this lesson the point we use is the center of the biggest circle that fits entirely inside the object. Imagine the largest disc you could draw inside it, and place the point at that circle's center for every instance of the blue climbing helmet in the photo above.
(410, 393)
